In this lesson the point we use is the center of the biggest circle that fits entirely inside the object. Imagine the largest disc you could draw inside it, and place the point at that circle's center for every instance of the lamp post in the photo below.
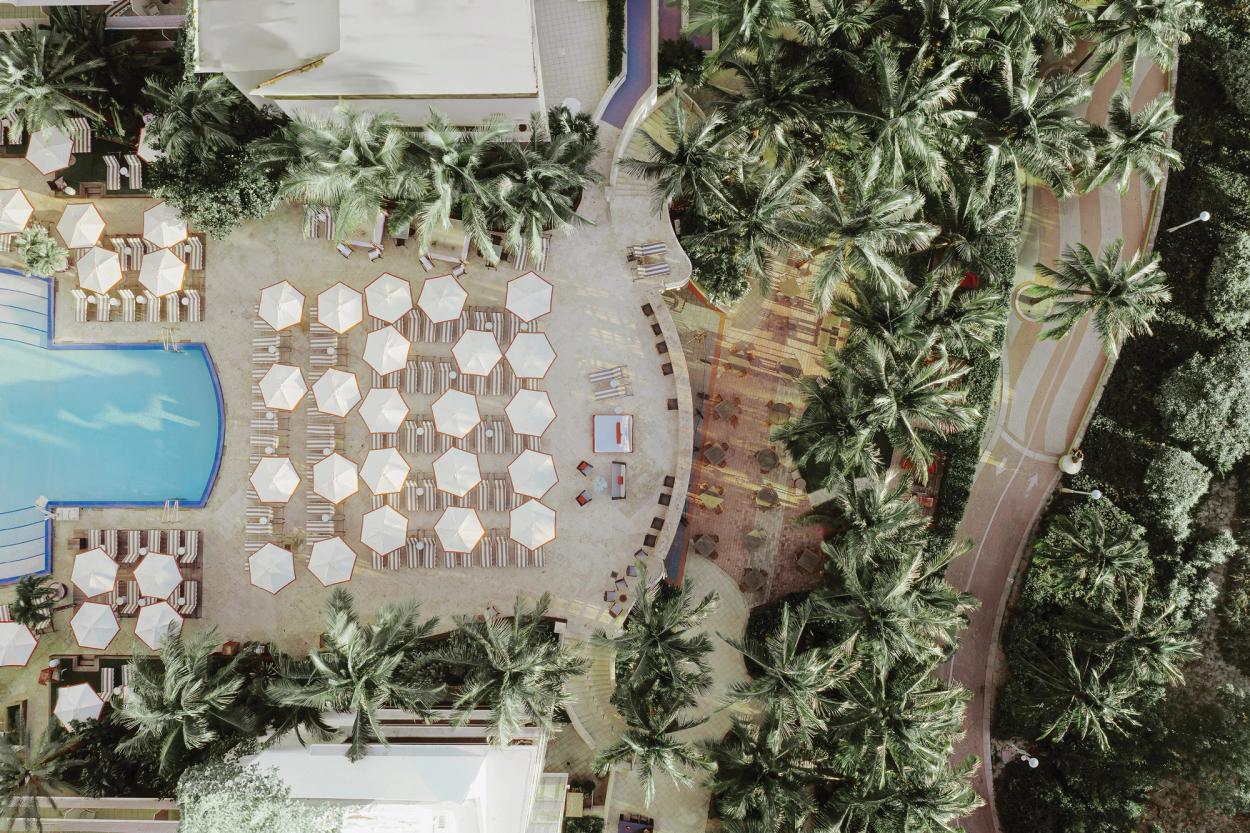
(1092, 494)
(1023, 755)
(1203, 216)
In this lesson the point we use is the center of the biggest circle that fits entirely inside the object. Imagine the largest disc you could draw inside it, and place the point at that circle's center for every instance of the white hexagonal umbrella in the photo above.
(477, 352)
(455, 413)
(15, 210)
(99, 270)
(94, 572)
(274, 479)
(283, 387)
(529, 296)
(336, 392)
(17, 643)
(456, 472)
(340, 308)
(80, 225)
(532, 524)
(158, 575)
(384, 470)
(49, 150)
(533, 473)
(383, 411)
(530, 355)
(335, 478)
(162, 272)
(386, 351)
(163, 225)
(530, 412)
(384, 530)
(442, 299)
(156, 622)
(389, 297)
(94, 625)
(77, 702)
(332, 561)
(271, 568)
(459, 530)
(281, 305)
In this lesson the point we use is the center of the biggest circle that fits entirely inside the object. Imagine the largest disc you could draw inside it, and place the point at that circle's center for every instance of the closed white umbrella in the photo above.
(340, 308)
(386, 351)
(530, 355)
(49, 150)
(389, 297)
(94, 572)
(476, 352)
(532, 524)
(281, 305)
(158, 575)
(156, 622)
(15, 210)
(456, 472)
(459, 530)
(455, 413)
(335, 478)
(442, 299)
(533, 473)
(163, 225)
(530, 412)
(383, 411)
(332, 561)
(529, 296)
(162, 272)
(336, 392)
(94, 625)
(274, 479)
(271, 568)
(17, 643)
(283, 387)
(80, 225)
(77, 702)
(384, 470)
(384, 530)
(99, 270)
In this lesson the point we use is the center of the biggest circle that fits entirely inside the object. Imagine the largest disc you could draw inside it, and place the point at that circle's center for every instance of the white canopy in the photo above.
(459, 530)
(162, 272)
(336, 392)
(163, 225)
(271, 568)
(335, 478)
(476, 352)
(384, 530)
(332, 561)
(455, 413)
(442, 299)
(530, 355)
(283, 387)
(158, 575)
(529, 296)
(99, 270)
(456, 472)
(386, 351)
(274, 479)
(384, 471)
(15, 210)
(49, 150)
(156, 622)
(94, 625)
(384, 410)
(612, 433)
(94, 572)
(77, 702)
(80, 225)
(530, 412)
(17, 643)
(389, 297)
(340, 308)
(532, 524)
(281, 305)
(533, 473)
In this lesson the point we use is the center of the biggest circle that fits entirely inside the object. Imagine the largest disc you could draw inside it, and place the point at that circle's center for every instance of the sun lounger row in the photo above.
(129, 545)
(495, 549)
(318, 223)
(128, 306)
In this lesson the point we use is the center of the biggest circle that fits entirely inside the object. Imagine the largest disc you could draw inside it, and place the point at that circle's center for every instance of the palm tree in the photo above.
(45, 79)
(742, 24)
(32, 772)
(874, 516)
(966, 227)
(1085, 558)
(33, 601)
(197, 116)
(839, 23)
(1136, 143)
(650, 745)
(363, 667)
(515, 666)
(1124, 297)
(966, 30)
(1125, 31)
(919, 800)
(830, 431)
(1156, 644)
(1083, 692)
(778, 104)
(40, 252)
(690, 162)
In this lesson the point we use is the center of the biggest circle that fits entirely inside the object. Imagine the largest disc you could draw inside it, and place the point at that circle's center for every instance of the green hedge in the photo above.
(616, 38)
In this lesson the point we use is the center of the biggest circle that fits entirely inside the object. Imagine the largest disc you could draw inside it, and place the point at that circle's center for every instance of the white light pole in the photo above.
(1024, 756)
(1093, 494)
(1203, 216)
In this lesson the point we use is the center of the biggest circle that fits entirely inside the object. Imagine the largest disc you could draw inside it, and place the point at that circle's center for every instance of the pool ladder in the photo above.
(172, 512)
(169, 340)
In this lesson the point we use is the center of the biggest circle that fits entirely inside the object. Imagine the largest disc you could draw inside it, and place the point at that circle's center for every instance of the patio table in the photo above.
(710, 501)
(714, 454)
(767, 497)
(704, 545)
(755, 539)
(752, 580)
(726, 409)
(809, 560)
(767, 458)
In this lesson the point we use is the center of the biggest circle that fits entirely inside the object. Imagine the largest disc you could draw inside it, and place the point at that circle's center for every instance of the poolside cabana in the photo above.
(281, 305)
(384, 471)
(532, 524)
(530, 355)
(158, 575)
(94, 572)
(442, 299)
(455, 413)
(336, 392)
(389, 297)
(94, 625)
(271, 568)
(384, 530)
(49, 150)
(99, 270)
(274, 479)
(459, 529)
(529, 296)
(340, 308)
(335, 478)
(283, 387)
(156, 621)
(77, 702)
(533, 473)
(530, 412)
(383, 411)
(17, 643)
(163, 225)
(386, 351)
(456, 472)
(162, 272)
(15, 210)
(80, 225)
(332, 561)
(477, 352)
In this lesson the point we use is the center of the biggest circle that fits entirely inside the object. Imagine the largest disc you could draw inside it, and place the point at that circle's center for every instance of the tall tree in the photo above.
(1086, 558)
(830, 432)
(1136, 143)
(1157, 643)
(33, 599)
(32, 771)
(740, 24)
(199, 115)
(874, 518)
(1126, 31)
(691, 161)
(778, 104)
(1083, 692)
(650, 745)
(45, 79)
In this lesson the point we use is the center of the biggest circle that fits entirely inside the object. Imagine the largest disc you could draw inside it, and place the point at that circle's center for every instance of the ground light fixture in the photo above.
(1203, 217)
